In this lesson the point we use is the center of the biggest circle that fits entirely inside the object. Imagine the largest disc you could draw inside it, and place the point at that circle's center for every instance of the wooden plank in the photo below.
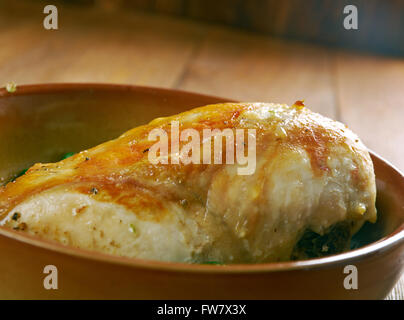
(98, 47)
(250, 67)
(381, 22)
(161, 51)
(398, 291)
(371, 98)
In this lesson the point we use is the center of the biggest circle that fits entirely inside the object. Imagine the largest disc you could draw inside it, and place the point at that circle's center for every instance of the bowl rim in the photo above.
(386, 243)
(44, 88)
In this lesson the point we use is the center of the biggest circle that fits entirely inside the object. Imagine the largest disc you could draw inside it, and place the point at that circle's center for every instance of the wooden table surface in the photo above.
(366, 92)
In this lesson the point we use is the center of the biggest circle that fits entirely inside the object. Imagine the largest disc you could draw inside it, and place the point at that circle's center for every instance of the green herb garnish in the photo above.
(22, 172)
(19, 174)
(132, 228)
(212, 262)
(11, 87)
(15, 216)
(67, 155)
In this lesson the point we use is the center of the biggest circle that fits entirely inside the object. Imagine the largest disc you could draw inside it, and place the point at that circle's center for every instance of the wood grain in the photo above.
(371, 100)
(125, 48)
(381, 22)
(248, 67)
(398, 291)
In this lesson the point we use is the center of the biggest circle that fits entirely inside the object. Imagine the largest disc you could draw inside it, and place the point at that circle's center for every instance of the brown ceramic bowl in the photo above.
(41, 122)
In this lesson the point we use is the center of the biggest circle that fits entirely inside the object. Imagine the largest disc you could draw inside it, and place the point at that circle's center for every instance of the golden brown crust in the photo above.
(101, 166)
(311, 172)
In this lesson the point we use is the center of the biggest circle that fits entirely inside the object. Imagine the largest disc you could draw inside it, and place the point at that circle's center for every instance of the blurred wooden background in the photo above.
(381, 22)
(161, 44)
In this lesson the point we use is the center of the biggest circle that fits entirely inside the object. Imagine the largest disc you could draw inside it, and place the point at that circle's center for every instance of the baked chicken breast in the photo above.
(311, 189)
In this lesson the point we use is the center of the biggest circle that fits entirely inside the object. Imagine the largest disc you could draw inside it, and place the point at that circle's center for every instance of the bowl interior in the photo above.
(41, 123)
